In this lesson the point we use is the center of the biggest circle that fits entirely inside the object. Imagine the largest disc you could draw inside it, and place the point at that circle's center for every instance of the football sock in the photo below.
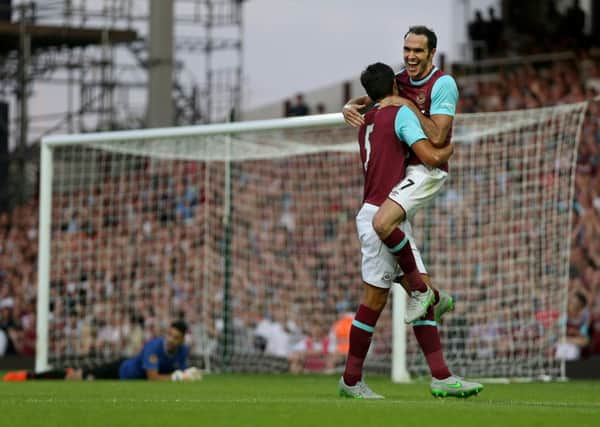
(361, 332)
(398, 244)
(428, 337)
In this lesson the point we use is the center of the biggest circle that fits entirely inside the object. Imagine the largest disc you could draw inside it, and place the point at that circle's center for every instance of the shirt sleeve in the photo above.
(408, 128)
(150, 355)
(444, 96)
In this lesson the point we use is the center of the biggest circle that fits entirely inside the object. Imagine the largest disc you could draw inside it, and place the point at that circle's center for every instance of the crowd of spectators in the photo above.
(146, 244)
(560, 82)
(529, 28)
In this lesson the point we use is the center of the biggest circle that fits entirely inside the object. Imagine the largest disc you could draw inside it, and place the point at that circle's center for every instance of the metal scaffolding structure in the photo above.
(81, 65)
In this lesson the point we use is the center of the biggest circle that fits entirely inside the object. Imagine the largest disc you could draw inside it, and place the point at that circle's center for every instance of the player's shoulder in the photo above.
(402, 76)
(154, 343)
(386, 114)
(404, 113)
(444, 80)
(444, 84)
(370, 115)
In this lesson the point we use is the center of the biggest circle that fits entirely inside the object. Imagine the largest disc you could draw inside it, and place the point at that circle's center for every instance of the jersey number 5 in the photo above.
(368, 131)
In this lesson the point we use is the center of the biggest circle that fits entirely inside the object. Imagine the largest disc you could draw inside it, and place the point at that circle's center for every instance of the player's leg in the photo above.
(104, 371)
(418, 302)
(443, 383)
(378, 268)
(53, 374)
(363, 326)
(386, 224)
(418, 188)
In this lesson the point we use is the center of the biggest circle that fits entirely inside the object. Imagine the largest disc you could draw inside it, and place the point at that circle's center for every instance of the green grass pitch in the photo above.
(286, 401)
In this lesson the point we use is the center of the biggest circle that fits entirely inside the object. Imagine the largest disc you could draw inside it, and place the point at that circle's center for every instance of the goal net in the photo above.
(246, 230)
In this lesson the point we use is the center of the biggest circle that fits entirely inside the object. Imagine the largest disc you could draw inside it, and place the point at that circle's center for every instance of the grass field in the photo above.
(282, 400)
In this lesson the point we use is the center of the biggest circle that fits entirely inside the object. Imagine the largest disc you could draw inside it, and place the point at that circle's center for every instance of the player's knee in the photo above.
(379, 304)
(375, 298)
(382, 226)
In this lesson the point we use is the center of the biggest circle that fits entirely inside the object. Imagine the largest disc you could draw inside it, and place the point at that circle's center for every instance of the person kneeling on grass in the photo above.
(161, 359)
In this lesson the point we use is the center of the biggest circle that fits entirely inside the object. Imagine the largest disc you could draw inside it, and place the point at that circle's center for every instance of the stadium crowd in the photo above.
(122, 270)
(562, 82)
(548, 30)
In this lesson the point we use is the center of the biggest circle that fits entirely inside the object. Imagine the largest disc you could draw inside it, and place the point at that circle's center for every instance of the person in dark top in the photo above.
(161, 359)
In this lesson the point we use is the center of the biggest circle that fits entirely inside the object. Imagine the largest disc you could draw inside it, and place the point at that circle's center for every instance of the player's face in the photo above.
(418, 59)
(174, 339)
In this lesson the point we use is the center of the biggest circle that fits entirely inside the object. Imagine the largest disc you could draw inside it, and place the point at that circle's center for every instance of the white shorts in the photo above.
(379, 267)
(420, 185)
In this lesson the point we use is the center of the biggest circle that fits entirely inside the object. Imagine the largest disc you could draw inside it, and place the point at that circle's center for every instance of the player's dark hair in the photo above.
(421, 30)
(180, 325)
(378, 80)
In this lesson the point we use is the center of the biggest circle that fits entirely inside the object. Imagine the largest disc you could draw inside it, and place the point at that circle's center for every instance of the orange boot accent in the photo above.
(15, 376)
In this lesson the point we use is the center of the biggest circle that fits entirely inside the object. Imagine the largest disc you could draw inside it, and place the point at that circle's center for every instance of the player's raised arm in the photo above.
(436, 128)
(352, 110)
(409, 130)
(444, 97)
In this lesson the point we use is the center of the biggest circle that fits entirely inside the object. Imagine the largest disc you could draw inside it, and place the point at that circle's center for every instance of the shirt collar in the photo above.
(423, 80)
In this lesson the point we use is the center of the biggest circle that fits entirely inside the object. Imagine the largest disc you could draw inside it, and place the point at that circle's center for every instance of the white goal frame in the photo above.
(48, 143)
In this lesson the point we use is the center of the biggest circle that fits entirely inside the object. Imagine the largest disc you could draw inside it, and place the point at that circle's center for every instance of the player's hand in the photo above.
(396, 101)
(177, 375)
(192, 374)
(352, 115)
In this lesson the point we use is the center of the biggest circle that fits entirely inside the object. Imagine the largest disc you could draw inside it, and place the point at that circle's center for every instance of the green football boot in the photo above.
(444, 305)
(455, 387)
(360, 390)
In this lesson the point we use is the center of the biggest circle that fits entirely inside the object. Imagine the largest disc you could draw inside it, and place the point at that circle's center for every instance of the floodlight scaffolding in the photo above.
(91, 61)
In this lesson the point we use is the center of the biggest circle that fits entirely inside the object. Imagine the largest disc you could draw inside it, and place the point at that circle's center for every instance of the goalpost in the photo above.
(248, 227)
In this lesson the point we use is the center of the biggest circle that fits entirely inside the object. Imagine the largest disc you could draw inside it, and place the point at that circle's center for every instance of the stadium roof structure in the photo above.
(48, 36)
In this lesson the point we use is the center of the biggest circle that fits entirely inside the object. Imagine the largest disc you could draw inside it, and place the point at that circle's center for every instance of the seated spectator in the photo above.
(578, 336)
(494, 33)
(8, 325)
(575, 22)
(271, 333)
(3, 342)
(5, 10)
(313, 353)
(477, 30)
(287, 108)
(300, 108)
(340, 336)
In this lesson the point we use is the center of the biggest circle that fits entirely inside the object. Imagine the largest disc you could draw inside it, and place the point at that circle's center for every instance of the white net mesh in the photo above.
(260, 252)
